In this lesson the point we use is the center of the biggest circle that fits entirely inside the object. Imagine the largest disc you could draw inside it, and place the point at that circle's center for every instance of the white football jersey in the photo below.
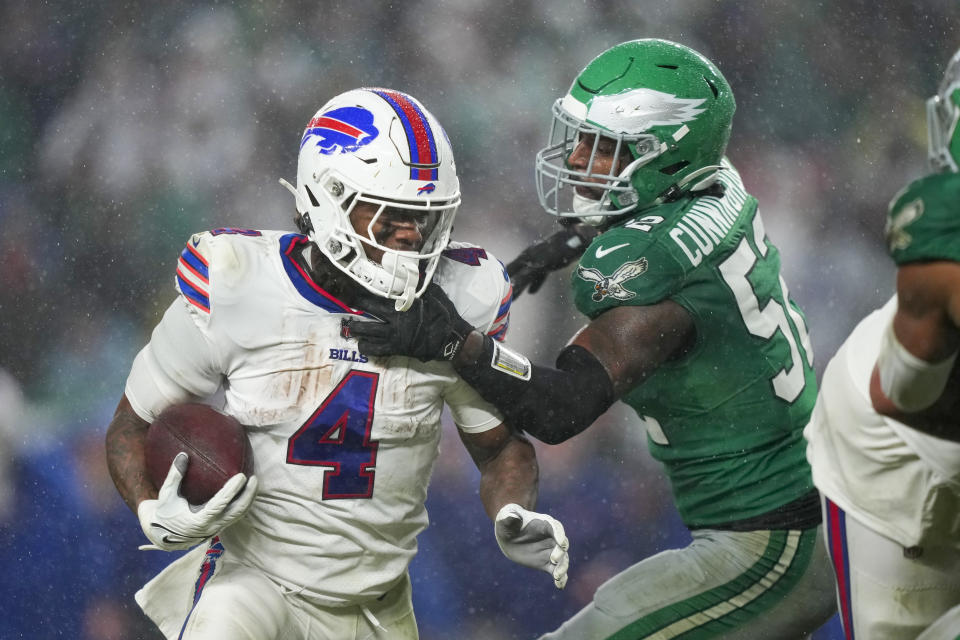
(898, 481)
(344, 444)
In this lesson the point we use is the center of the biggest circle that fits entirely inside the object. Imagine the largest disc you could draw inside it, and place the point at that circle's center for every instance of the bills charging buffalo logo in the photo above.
(612, 285)
(427, 188)
(342, 130)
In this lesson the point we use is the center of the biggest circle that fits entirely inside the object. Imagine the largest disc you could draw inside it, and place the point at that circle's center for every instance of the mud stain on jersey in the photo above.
(297, 389)
(311, 384)
(398, 426)
(397, 391)
(410, 401)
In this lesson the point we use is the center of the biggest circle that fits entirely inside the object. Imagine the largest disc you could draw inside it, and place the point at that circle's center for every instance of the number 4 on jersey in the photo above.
(337, 435)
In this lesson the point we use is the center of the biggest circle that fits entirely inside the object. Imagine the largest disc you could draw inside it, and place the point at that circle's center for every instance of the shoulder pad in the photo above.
(626, 265)
(477, 283)
(206, 253)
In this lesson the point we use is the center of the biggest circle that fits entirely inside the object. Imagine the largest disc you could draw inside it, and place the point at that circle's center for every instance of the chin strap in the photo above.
(589, 211)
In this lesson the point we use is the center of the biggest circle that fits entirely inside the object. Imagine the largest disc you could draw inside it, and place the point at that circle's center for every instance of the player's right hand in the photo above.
(171, 523)
(529, 269)
(534, 540)
(431, 329)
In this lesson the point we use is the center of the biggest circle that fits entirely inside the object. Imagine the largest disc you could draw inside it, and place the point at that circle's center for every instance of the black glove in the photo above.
(431, 329)
(534, 264)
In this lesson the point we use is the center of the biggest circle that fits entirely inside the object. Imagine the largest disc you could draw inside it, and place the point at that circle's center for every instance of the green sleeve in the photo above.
(923, 222)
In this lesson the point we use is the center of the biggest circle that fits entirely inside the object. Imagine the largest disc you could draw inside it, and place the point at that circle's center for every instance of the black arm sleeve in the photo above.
(554, 404)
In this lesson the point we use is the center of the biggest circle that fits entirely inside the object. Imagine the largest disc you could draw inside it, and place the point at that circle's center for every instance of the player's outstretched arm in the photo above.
(615, 352)
(508, 489)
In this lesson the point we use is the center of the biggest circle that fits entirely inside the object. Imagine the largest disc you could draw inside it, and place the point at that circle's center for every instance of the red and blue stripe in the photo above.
(840, 557)
(207, 569)
(420, 136)
(193, 278)
(499, 329)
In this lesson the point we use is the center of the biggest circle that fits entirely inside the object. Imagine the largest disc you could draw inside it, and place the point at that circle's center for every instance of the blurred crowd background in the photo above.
(127, 126)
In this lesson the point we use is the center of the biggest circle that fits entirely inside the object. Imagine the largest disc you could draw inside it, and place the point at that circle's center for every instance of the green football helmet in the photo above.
(943, 112)
(664, 110)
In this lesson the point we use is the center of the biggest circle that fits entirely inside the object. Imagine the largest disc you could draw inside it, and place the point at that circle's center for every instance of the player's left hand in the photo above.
(431, 329)
(171, 523)
(534, 540)
(529, 269)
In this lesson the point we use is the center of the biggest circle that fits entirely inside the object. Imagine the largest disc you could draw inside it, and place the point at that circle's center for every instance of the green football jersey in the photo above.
(726, 420)
(923, 222)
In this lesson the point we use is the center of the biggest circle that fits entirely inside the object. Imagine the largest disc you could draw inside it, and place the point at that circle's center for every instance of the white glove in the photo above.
(534, 540)
(171, 523)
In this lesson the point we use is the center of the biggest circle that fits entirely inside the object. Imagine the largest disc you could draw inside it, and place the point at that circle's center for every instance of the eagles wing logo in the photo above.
(897, 237)
(641, 109)
(604, 286)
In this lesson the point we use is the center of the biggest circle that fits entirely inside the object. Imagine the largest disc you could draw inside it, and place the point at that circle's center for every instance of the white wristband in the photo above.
(910, 383)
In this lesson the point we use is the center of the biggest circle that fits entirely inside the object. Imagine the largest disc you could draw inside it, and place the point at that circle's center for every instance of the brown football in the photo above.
(216, 443)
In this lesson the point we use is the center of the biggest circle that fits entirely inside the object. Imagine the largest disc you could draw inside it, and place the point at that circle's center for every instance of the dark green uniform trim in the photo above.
(732, 605)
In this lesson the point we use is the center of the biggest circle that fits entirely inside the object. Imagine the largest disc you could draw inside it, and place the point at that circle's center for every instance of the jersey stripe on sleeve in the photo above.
(193, 278)
(499, 329)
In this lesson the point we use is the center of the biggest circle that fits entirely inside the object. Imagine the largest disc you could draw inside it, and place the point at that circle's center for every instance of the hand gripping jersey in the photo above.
(726, 420)
(344, 444)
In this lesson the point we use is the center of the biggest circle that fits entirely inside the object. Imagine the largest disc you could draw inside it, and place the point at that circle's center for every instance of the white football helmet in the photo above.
(382, 147)
(943, 113)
